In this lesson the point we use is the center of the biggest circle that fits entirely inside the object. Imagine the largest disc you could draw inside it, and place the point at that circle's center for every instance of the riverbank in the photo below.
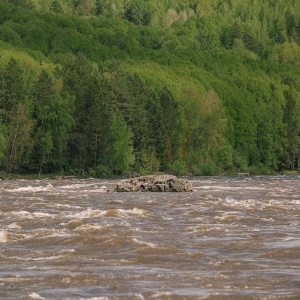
(60, 176)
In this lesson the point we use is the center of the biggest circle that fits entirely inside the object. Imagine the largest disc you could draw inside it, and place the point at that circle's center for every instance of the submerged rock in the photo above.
(155, 183)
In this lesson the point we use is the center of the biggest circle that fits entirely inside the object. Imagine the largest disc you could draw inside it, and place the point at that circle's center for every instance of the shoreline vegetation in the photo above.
(59, 177)
(94, 88)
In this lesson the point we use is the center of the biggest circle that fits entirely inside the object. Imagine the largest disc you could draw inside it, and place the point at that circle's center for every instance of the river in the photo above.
(231, 238)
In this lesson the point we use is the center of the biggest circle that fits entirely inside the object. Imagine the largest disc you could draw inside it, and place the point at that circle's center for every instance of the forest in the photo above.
(192, 87)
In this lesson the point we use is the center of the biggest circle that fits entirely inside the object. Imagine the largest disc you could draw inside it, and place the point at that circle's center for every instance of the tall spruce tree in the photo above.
(53, 120)
(17, 124)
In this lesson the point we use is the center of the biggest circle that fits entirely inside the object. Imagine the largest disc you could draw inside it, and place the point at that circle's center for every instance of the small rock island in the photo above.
(155, 183)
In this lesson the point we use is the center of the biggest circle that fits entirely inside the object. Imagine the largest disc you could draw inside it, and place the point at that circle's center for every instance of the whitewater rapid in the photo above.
(237, 238)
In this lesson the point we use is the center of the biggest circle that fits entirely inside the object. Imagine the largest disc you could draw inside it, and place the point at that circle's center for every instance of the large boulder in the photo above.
(155, 183)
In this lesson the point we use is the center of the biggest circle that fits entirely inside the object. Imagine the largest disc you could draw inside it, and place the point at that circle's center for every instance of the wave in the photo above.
(14, 225)
(228, 188)
(149, 244)
(74, 188)
(90, 187)
(30, 189)
(30, 215)
(111, 213)
(4, 236)
(90, 228)
(35, 296)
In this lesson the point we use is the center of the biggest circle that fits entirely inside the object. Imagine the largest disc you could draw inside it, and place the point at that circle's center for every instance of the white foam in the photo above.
(88, 213)
(41, 233)
(29, 215)
(134, 211)
(161, 294)
(229, 188)
(4, 236)
(35, 296)
(53, 257)
(89, 228)
(63, 254)
(114, 213)
(209, 187)
(14, 225)
(19, 213)
(76, 186)
(151, 245)
(139, 296)
(242, 203)
(58, 205)
(102, 189)
(207, 228)
(91, 188)
(32, 189)
(297, 202)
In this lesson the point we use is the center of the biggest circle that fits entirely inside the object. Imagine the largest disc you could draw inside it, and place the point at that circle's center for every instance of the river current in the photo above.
(231, 238)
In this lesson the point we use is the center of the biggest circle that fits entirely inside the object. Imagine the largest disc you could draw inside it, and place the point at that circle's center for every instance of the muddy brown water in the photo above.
(231, 238)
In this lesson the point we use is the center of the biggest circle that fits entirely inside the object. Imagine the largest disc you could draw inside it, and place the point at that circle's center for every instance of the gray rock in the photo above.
(155, 183)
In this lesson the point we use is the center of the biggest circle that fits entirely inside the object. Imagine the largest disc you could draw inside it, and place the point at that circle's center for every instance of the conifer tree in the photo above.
(13, 87)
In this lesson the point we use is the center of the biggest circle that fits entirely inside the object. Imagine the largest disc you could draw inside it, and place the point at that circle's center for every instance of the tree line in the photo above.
(85, 120)
(179, 87)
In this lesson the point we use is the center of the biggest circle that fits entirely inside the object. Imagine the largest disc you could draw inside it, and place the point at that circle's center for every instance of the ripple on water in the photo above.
(230, 238)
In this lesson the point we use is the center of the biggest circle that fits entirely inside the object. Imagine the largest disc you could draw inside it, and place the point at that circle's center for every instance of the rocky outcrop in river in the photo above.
(155, 183)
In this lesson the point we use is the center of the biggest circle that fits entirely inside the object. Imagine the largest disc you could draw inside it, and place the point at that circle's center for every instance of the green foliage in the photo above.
(3, 144)
(138, 12)
(19, 141)
(178, 168)
(291, 116)
(122, 156)
(102, 87)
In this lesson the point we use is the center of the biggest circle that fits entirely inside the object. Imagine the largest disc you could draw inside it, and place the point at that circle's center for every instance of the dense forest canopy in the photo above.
(102, 87)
